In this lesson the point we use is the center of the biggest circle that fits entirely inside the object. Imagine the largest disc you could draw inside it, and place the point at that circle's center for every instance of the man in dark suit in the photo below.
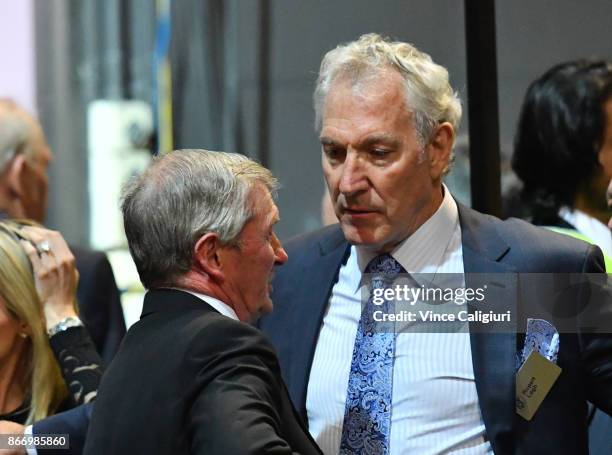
(192, 376)
(387, 115)
(24, 159)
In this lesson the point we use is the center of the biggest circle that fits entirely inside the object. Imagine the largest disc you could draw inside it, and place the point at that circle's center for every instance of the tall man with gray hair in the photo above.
(387, 117)
(192, 377)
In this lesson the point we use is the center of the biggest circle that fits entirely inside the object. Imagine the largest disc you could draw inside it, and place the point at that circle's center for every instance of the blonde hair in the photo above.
(45, 386)
(428, 93)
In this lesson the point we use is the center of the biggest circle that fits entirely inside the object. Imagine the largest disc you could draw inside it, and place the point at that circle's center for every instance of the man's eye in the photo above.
(334, 154)
(379, 153)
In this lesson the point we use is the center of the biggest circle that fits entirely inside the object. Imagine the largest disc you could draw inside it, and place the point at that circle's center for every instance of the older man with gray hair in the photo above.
(387, 117)
(192, 376)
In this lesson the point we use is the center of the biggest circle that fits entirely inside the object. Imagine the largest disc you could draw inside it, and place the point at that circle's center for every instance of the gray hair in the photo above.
(181, 196)
(17, 129)
(427, 88)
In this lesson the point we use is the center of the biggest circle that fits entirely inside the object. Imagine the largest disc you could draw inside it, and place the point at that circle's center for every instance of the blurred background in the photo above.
(114, 81)
(242, 74)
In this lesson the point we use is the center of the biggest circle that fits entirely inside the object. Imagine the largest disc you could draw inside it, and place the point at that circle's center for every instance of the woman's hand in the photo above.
(55, 273)
(14, 429)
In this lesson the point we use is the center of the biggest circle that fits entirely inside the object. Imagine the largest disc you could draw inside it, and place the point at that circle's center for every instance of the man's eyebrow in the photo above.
(274, 218)
(329, 141)
(384, 139)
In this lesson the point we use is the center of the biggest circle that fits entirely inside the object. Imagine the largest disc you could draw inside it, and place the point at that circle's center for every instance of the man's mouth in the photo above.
(357, 211)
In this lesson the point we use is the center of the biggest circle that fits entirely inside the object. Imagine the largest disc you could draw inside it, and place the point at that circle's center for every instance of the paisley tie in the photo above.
(367, 414)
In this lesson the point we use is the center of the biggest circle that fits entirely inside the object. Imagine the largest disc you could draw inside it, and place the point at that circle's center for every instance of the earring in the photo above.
(23, 335)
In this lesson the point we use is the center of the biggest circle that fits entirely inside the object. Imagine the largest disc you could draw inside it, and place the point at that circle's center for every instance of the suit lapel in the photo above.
(318, 278)
(493, 347)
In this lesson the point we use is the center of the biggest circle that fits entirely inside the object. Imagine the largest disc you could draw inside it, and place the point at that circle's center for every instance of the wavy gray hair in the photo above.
(428, 91)
(181, 196)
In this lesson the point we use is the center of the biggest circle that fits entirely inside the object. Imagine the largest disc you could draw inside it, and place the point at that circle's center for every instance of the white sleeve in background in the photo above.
(28, 432)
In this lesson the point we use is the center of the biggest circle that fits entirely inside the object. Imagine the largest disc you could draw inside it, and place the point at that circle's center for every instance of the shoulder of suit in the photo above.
(328, 237)
(86, 253)
(88, 259)
(543, 250)
(222, 333)
(521, 231)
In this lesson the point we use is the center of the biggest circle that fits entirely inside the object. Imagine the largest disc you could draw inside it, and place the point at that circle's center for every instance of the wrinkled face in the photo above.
(249, 267)
(36, 180)
(10, 328)
(35, 198)
(381, 179)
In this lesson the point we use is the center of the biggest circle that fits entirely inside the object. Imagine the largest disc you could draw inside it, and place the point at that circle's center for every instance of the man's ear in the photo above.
(206, 255)
(439, 148)
(16, 174)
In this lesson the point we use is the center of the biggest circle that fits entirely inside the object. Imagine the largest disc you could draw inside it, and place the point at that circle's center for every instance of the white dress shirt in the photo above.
(434, 403)
(217, 304)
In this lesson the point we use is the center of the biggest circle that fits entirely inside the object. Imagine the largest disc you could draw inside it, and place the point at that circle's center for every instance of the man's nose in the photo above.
(353, 178)
(280, 255)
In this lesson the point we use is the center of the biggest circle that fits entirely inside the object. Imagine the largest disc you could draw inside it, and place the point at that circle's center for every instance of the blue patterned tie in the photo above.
(367, 415)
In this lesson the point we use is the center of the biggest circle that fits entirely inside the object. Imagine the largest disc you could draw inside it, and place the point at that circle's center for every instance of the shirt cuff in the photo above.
(28, 432)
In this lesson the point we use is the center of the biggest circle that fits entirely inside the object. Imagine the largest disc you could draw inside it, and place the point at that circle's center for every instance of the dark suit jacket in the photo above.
(73, 423)
(188, 380)
(302, 288)
(99, 302)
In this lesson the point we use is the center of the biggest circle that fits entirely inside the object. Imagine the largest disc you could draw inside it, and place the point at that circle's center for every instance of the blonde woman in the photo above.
(47, 360)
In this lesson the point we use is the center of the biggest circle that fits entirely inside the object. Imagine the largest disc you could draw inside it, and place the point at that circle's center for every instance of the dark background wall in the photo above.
(299, 34)
(230, 95)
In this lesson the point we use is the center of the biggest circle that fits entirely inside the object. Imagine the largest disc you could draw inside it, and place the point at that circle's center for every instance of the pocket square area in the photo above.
(541, 337)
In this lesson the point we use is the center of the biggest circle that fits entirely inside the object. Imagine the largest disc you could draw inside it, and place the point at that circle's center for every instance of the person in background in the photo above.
(328, 216)
(24, 159)
(563, 156)
(47, 360)
(563, 150)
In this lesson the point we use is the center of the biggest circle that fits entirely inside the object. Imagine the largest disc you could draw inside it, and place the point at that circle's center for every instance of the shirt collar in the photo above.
(217, 304)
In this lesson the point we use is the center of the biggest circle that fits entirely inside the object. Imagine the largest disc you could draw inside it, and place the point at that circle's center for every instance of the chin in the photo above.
(372, 243)
(360, 237)
(267, 307)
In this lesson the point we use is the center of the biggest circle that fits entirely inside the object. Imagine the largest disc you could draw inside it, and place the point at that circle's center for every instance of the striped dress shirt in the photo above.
(435, 405)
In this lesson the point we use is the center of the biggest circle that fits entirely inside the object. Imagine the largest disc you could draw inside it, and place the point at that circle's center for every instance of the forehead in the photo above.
(374, 104)
(263, 203)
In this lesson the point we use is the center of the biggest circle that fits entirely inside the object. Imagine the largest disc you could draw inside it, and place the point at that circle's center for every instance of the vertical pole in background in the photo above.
(483, 106)
(232, 113)
(264, 82)
(125, 48)
(162, 96)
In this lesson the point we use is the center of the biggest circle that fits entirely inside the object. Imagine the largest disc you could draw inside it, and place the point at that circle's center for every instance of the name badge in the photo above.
(533, 382)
